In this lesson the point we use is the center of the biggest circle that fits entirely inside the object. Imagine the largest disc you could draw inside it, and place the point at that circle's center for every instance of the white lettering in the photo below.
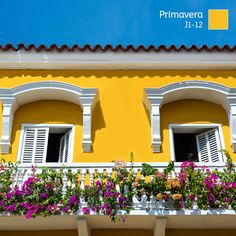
(182, 14)
(162, 13)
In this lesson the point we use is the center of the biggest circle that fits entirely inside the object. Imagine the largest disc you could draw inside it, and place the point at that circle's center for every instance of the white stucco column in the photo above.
(160, 226)
(82, 226)
(8, 110)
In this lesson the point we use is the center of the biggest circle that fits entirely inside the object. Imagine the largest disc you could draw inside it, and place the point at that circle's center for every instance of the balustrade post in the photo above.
(64, 182)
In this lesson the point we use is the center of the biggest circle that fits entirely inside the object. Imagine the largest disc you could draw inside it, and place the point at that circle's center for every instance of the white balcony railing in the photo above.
(24, 171)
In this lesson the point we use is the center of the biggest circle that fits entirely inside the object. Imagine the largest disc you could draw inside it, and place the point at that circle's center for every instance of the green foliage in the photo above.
(60, 191)
(147, 169)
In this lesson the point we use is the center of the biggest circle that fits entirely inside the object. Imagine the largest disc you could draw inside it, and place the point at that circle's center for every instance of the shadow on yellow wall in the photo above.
(192, 112)
(47, 112)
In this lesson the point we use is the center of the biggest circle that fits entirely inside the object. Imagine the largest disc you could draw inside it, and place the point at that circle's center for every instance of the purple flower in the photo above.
(210, 181)
(48, 186)
(108, 211)
(73, 200)
(107, 194)
(26, 205)
(180, 205)
(122, 199)
(30, 181)
(8, 196)
(27, 192)
(11, 207)
(110, 185)
(227, 199)
(233, 184)
(212, 199)
(165, 197)
(66, 209)
(29, 214)
(104, 206)
(43, 195)
(86, 210)
(18, 192)
(51, 207)
(182, 177)
(188, 164)
(99, 185)
(95, 208)
(191, 197)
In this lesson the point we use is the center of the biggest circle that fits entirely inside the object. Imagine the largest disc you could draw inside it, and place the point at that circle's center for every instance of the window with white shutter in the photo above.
(49, 144)
(208, 145)
(197, 142)
(35, 145)
(65, 147)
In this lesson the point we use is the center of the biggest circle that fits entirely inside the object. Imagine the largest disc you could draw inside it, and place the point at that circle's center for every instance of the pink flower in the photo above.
(86, 210)
(43, 195)
(29, 214)
(11, 207)
(66, 209)
(188, 164)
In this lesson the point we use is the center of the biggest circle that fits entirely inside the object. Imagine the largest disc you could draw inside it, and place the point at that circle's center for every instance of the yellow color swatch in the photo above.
(218, 19)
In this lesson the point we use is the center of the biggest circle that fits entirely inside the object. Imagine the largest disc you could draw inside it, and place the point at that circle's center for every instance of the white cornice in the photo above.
(99, 60)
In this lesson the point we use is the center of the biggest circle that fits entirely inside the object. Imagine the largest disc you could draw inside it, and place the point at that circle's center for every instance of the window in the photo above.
(196, 142)
(46, 144)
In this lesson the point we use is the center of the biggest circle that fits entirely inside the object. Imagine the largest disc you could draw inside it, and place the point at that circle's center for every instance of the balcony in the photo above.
(144, 207)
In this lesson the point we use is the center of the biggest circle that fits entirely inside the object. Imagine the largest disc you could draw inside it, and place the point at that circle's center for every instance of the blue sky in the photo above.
(110, 22)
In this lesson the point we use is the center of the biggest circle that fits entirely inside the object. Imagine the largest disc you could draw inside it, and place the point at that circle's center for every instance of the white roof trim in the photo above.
(23, 59)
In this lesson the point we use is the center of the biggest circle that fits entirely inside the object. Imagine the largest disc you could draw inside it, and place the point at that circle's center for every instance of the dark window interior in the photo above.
(53, 147)
(185, 147)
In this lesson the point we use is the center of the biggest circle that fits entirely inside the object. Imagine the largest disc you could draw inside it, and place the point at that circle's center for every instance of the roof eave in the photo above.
(117, 60)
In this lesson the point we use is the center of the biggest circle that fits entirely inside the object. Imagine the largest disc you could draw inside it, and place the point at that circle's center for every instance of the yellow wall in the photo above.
(192, 112)
(120, 122)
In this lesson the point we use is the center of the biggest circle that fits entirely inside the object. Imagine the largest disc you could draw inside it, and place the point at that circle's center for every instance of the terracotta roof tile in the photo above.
(118, 47)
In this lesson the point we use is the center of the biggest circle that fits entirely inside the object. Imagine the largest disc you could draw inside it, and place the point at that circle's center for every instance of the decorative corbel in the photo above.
(152, 103)
(87, 101)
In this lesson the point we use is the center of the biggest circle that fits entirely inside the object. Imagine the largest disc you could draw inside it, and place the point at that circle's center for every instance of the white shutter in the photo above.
(208, 145)
(35, 143)
(65, 144)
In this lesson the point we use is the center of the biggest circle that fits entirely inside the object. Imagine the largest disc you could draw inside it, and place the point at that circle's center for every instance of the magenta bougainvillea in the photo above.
(47, 193)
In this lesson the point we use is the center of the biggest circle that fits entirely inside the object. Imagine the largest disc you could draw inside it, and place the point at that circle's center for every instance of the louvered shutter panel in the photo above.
(65, 143)
(35, 143)
(208, 145)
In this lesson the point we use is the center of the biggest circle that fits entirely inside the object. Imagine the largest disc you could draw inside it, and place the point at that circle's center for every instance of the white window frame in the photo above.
(31, 125)
(195, 126)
